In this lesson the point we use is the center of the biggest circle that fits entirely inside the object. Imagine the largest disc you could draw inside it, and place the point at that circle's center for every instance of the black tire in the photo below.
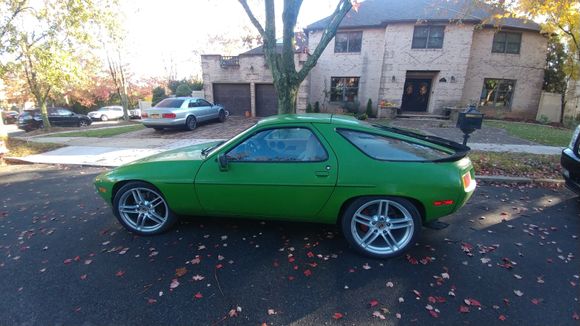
(158, 129)
(104, 118)
(83, 123)
(190, 123)
(222, 116)
(132, 212)
(396, 231)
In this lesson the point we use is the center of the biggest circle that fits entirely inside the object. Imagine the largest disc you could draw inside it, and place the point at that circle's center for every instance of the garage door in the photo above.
(234, 97)
(266, 100)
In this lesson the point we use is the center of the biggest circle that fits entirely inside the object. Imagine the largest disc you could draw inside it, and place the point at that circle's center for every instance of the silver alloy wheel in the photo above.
(382, 227)
(191, 123)
(143, 209)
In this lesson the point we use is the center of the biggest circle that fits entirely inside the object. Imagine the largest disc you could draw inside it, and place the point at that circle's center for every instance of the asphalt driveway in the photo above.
(509, 256)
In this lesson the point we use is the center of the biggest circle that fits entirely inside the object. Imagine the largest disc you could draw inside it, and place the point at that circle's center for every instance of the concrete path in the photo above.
(515, 148)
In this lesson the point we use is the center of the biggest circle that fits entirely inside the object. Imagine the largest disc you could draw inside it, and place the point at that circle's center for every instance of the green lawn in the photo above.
(100, 133)
(540, 134)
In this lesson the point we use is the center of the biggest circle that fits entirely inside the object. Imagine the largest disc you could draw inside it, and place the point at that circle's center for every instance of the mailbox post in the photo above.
(469, 121)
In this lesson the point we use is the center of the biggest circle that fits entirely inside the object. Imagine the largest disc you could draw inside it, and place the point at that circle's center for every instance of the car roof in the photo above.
(343, 120)
(184, 98)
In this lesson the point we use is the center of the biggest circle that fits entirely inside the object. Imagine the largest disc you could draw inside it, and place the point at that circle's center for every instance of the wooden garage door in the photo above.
(266, 100)
(234, 97)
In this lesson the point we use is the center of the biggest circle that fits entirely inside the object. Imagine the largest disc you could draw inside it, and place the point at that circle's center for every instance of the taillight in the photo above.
(466, 178)
(144, 115)
(169, 115)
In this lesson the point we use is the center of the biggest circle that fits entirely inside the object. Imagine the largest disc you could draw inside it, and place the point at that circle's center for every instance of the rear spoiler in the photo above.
(460, 149)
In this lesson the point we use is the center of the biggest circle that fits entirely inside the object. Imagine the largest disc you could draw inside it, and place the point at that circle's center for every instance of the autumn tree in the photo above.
(286, 78)
(53, 45)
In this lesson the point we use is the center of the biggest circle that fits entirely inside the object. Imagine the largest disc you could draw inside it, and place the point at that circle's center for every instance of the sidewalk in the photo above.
(112, 152)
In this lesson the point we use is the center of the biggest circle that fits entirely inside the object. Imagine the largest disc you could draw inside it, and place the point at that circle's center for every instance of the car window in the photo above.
(280, 145)
(391, 149)
(63, 112)
(203, 103)
(192, 104)
(118, 109)
(169, 103)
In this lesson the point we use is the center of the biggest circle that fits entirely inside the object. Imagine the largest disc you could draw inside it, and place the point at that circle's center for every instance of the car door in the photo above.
(67, 117)
(208, 111)
(55, 117)
(285, 172)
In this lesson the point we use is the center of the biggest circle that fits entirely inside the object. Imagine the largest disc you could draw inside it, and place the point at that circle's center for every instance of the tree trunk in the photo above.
(287, 96)
(44, 112)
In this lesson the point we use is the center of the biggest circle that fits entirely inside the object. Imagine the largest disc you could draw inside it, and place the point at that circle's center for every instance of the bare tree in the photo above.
(287, 79)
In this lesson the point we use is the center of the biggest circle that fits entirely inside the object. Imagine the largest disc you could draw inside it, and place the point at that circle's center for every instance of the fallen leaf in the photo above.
(84, 277)
(197, 277)
(379, 315)
(463, 309)
(366, 266)
(518, 293)
(433, 313)
(390, 284)
(180, 272)
(198, 295)
(67, 261)
(417, 293)
(120, 273)
(307, 272)
(373, 302)
(151, 301)
(575, 316)
(174, 284)
(535, 301)
(337, 315)
(195, 261)
(501, 317)
(271, 312)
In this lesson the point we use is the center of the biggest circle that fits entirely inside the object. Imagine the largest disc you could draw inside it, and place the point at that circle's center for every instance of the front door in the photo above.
(279, 173)
(416, 95)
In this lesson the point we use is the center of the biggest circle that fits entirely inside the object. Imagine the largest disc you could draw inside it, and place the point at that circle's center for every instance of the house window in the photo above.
(506, 42)
(497, 93)
(428, 37)
(344, 89)
(347, 42)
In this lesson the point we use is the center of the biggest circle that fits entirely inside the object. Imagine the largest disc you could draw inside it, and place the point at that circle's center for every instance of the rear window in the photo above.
(391, 149)
(169, 103)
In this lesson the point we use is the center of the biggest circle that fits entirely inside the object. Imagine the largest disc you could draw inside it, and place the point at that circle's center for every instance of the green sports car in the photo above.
(379, 184)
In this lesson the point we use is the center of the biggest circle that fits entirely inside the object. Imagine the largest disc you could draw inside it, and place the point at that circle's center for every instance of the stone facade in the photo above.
(252, 69)
(526, 68)
(456, 71)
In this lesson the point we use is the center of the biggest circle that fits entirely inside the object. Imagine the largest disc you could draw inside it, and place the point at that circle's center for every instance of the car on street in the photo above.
(570, 161)
(181, 112)
(9, 117)
(107, 113)
(379, 184)
(32, 119)
(135, 113)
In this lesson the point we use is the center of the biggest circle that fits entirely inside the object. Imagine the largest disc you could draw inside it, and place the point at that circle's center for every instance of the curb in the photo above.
(485, 178)
(506, 179)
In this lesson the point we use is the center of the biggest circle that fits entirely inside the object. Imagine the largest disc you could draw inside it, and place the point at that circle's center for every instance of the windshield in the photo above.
(169, 103)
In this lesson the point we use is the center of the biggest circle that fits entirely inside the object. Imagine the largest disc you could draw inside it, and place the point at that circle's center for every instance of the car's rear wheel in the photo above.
(142, 209)
(83, 123)
(104, 118)
(381, 227)
(190, 123)
(222, 116)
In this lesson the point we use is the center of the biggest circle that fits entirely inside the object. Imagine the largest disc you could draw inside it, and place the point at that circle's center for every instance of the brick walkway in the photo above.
(208, 130)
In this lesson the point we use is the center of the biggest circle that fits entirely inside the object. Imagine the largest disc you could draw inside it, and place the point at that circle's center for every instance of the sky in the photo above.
(169, 35)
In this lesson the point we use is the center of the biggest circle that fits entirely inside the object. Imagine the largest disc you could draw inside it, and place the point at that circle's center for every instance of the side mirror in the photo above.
(223, 162)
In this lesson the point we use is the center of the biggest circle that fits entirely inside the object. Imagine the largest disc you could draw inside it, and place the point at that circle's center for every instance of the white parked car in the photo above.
(181, 112)
(107, 113)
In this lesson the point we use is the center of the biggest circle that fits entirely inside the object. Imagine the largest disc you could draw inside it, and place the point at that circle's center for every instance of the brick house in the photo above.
(420, 55)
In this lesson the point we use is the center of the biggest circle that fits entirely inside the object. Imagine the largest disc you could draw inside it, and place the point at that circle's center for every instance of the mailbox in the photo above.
(469, 121)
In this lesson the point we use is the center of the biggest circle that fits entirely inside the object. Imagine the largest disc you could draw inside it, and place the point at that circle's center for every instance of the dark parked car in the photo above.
(571, 163)
(9, 117)
(32, 119)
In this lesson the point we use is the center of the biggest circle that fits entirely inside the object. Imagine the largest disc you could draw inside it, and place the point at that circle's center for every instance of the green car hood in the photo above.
(189, 153)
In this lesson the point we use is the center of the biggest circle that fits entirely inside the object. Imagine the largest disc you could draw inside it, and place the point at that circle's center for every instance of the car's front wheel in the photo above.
(104, 118)
(381, 227)
(142, 209)
(222, 116)
(83, 123)
(190, 123)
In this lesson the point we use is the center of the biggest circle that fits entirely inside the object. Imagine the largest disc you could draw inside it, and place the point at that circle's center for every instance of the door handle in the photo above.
(321, 173)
